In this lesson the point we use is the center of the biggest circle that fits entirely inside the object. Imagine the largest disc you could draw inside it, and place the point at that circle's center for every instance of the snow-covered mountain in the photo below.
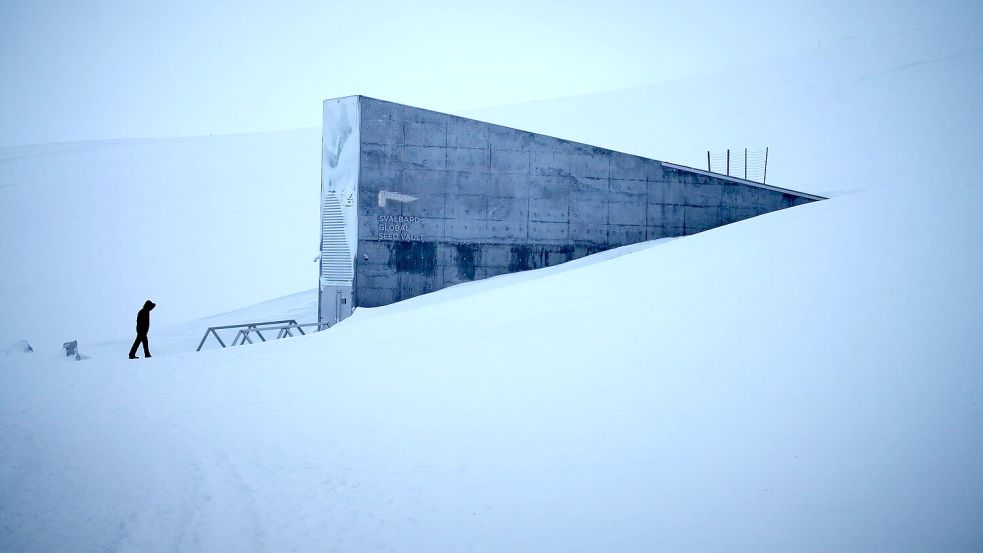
(807, 380)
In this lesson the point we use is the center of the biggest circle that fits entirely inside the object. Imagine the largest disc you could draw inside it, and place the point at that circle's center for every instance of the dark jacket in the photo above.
(143, 317)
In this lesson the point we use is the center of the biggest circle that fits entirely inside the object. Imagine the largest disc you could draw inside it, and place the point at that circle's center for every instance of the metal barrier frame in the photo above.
(284, 329)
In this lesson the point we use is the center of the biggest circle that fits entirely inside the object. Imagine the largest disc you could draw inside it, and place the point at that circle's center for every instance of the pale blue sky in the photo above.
(121, 69)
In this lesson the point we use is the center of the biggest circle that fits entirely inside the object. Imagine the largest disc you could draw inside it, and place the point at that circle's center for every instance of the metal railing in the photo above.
(753, 166)
(284, 329)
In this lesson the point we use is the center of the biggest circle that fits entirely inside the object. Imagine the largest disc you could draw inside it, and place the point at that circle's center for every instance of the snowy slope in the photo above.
(302, 307)
(882, 111)
(202, 225)
(808, 380)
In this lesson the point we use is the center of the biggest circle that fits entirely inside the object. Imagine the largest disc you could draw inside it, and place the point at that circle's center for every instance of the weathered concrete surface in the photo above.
(444, 199)
(340, 148)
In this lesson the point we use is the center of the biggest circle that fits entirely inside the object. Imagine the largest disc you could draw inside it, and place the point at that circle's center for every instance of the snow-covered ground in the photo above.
(808, 380)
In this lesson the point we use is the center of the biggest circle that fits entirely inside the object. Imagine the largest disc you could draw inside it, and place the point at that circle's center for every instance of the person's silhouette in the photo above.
(143, 327)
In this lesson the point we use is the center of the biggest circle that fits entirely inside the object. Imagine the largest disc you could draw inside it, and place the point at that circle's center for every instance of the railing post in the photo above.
(764, 179)
(203, 338)
(217, 337)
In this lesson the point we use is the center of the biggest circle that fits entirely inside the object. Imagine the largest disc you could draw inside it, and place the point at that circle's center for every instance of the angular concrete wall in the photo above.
(444, 199)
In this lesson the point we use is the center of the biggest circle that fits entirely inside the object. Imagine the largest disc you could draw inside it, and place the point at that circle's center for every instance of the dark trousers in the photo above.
(141, 339)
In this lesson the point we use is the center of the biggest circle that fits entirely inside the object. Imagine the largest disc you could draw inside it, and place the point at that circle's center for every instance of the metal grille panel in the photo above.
(336, 257)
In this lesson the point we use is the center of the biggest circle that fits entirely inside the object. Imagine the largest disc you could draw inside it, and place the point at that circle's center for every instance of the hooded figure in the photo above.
(143, 326)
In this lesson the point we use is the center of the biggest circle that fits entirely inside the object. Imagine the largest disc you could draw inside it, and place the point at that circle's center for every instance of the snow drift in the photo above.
(807, 380)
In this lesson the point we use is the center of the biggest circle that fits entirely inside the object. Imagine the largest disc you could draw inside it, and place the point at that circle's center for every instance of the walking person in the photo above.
(143, 327)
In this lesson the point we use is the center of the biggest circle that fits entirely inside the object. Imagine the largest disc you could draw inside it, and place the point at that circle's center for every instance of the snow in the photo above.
(203, 225)
(890, 110)
(807, 380)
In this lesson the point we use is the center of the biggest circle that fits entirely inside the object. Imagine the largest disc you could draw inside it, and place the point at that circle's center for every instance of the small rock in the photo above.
(72, 349)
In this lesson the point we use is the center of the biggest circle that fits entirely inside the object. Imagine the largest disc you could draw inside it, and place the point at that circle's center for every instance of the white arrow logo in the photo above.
(385, 195)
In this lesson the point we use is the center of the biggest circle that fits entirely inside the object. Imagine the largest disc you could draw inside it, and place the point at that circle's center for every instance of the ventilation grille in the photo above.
(336, 258)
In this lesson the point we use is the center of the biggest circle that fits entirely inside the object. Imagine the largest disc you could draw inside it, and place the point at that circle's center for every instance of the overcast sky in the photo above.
(76, 70)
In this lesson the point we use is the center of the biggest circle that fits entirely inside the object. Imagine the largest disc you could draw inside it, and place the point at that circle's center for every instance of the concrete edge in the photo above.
(664, 163)
(742, 181)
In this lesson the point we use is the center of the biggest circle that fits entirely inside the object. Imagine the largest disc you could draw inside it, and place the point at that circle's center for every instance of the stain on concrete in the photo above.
(465, 259)
(414, 257)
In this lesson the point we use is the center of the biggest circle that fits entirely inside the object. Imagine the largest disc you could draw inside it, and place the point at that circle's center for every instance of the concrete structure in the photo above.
(415, 200)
